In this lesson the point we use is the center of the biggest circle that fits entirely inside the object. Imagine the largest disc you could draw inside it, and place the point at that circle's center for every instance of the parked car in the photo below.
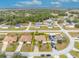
(48, 55)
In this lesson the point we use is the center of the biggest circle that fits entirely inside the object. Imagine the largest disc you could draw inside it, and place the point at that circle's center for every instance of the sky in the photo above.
(39, 3)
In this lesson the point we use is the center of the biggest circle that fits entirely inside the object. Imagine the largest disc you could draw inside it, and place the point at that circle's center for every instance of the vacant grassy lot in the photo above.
(74, 53)
(74, 34)
(63, 45)
(77, 45)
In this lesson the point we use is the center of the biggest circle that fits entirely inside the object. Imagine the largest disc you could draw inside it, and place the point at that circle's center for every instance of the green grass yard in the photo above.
(74, 53)
(22, 28)
(63, 56)
(44, 28)
(77, 45)
(12, 47)
(27, 48)
(45, 47)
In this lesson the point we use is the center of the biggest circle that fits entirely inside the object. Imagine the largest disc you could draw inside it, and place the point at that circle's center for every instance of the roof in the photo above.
(10, 38)
(26, 37)
(59, 36)
(40, 38)
(49, 20)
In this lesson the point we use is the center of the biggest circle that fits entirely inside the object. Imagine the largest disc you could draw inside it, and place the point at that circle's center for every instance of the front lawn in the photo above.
(45, 47)
(27, 48)
(12, 47)
(74, 53)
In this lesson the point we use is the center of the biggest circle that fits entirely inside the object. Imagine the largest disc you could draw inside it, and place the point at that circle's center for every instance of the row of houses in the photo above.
(25, 37)
(49, 23)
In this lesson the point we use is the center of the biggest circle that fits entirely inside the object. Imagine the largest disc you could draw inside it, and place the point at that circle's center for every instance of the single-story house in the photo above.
(10, 38)
(26, 37)
(49, 23)
(40, 38)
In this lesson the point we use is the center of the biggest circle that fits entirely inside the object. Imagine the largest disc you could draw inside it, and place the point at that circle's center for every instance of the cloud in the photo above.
(19, 5)
(68, 0)
(24, 3)
(75, 0)
(64, 0)
(55, 3)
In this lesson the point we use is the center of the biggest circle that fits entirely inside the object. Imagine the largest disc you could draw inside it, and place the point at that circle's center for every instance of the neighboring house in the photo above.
(17, 26)
(40, 38)
(70, 25)
(37, 24)
(26, 37)
(49, 23)
(4, 26)
(10, 38)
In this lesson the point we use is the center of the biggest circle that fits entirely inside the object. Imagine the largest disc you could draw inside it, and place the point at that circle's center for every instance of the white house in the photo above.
(4, 26)
(49, 23)
(68, 25)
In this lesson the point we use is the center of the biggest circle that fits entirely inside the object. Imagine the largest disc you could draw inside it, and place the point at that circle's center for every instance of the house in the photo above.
(10, 38)
(4, 26)
(70, 25)
(40, 38)
(17, 26)
(26, 37)
(37, 24)
(49, 23)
